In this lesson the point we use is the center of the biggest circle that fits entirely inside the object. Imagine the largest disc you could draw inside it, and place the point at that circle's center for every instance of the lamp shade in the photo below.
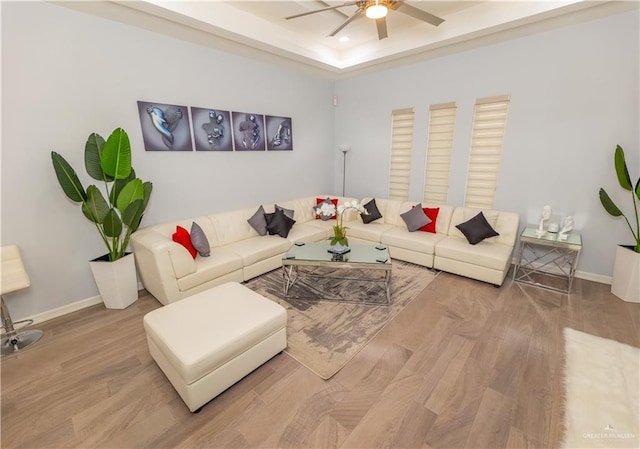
(376, 10)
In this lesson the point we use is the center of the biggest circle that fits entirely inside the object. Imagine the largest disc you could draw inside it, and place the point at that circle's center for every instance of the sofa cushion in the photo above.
(278, 223)
(258, 222)
(415, 218)
(221, 262)
(199, 240)
(182, 237)
(256, 249)
(311, 231)
(423, 242)
(373, 212)
(371, 232)
(477, 229)
(486, 254)
(432, 213)
(231, 226)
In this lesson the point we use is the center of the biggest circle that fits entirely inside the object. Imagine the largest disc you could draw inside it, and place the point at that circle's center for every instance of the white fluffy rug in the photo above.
(601, 392)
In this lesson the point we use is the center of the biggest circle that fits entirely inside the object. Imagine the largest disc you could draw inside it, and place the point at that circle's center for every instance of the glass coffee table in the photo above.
(363, 263)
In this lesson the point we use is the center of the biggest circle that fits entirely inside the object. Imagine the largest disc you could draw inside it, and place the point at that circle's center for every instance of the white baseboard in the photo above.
(601, 278)
(68, 308)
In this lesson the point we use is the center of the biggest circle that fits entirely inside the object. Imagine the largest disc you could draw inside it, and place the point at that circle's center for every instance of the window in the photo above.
(442, 118)
(489, 123)
(401, 145)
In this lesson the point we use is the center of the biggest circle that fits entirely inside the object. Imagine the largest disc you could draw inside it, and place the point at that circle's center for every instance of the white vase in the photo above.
(116, 281)
(625, 281)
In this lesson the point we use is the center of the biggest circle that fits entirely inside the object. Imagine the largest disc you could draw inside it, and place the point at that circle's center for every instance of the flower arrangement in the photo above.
(339, 230)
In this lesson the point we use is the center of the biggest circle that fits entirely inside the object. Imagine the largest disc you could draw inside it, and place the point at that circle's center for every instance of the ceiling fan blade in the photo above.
(320, 10)
(417, 13)
(354, 16)
(382, 28)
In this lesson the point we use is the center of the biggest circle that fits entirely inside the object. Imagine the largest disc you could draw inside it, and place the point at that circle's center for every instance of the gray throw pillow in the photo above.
(199, 240)
(415, 218)
(288, 212)
(477, 229)
(258, 222)
(373, 212)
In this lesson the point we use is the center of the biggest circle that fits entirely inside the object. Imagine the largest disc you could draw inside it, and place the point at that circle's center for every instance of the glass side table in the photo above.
(547, 260)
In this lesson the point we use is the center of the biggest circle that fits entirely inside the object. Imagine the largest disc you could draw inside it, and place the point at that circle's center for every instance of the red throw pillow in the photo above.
(432, 213)
(335, 203)
(182, 237)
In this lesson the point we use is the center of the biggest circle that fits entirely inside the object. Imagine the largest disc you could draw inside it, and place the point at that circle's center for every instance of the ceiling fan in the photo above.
(376, 10)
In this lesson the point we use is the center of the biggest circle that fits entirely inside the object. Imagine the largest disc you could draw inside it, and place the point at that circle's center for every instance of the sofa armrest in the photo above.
(161, 262)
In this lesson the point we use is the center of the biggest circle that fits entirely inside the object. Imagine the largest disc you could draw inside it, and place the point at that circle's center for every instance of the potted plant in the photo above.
(116, 214)
(625, 281)
(339, 241)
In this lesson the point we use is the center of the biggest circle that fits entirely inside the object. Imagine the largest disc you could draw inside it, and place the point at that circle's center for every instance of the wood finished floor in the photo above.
(465, 365)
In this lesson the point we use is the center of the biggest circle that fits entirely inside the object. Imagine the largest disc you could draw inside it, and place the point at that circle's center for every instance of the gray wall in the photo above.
(67, 74)
(574, 95)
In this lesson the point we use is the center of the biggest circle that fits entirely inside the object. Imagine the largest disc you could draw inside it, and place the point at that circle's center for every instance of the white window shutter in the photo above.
(489, 124)
(442, 118)
(401, 146)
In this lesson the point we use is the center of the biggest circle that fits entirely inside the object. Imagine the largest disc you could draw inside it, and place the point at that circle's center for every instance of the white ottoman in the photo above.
(207, 342)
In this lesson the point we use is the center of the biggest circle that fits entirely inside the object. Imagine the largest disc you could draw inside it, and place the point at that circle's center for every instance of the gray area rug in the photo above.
(324, 334)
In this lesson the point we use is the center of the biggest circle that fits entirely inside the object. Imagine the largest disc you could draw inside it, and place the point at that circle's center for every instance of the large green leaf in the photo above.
(638, 188)
(148, 188)
(133, 191)
(133, 215)
(92, 156)
(116, 155)
(119, 185)
(621, 169)
(609, 205)
(112, 224)
(95, 208)
(68, 178)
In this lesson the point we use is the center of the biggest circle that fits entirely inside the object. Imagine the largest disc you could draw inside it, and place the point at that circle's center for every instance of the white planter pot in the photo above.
(116, 281)
(625, 282)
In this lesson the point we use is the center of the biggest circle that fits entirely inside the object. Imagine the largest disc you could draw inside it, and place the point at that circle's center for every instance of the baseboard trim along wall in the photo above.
(84, 303)
(73, 307)
(64, 310)
(602, 279)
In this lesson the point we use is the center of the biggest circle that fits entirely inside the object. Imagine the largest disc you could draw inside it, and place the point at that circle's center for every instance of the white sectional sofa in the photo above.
(239, 253)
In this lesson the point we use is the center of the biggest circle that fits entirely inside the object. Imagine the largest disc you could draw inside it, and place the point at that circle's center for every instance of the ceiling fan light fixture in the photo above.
(376, 10)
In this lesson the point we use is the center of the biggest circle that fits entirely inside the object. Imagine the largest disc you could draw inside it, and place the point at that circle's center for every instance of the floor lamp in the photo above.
(344, 149)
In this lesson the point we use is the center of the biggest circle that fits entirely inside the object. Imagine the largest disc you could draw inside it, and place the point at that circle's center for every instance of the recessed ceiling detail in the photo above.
(375, 10)
(412, 30)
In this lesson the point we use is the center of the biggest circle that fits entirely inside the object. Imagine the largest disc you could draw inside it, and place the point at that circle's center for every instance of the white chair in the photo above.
(14, 277)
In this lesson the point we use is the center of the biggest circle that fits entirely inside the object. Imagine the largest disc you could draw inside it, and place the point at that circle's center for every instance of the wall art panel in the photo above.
(212, 129)
(279, 133)
(165, 127)
(248, 131)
